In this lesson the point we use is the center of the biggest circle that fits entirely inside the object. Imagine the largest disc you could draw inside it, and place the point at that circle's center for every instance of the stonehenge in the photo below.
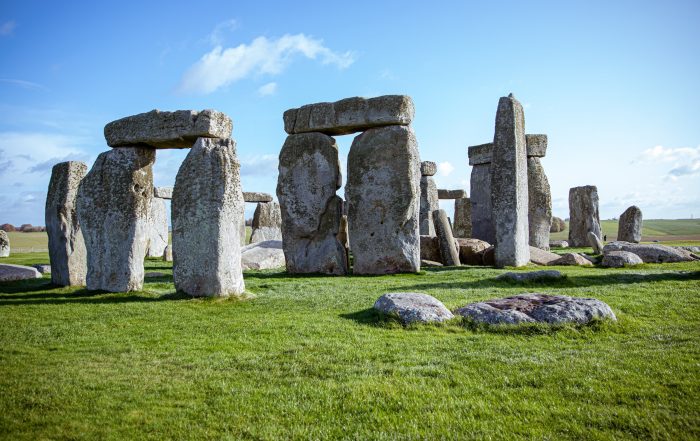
(630, 225)
(480, 185)
(157, 228)
(449, 253)
(267, 222)
(4, 244)
(462, 224)
(428, 198)
(583, 215)
(67, 251)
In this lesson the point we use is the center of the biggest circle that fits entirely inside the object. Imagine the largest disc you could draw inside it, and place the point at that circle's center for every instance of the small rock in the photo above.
(471, 251)
(571, 259)
(4, 244)
(542, 257)
(413, 307)
(620, 259)
(559, 244)
(11, 273)
(537, 308)
(532, 276)
(42, 268)
(651, 253)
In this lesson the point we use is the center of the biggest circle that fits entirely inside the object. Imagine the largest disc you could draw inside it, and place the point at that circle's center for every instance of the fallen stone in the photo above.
(309, 175)
(42, 268)
(509, 193)
(168, 254)
(12, 273)
(532, 276)
(167, 130)
(163, 192)
(267, 222)
(429, 263)
(571, 259)
(451, 194)
(488, 256)
(428, 168)
(207, 210)
(463, 218)
(539, 202)
(471, 251)
(449, 254)
(113, 205)
(537, 308)
(595, 242)
(383, 193)
(350, 115)
(559, 244)
(651, 253)
(411, 307)
(157, 228)
(620, 259)
(428, 203)
(67, 251)
(630, 225)
(4, 244)
(542, 257)
(262, 255)
(154, 274)
(583, 215)
(430, 248)
(254, 196)
(692, 249)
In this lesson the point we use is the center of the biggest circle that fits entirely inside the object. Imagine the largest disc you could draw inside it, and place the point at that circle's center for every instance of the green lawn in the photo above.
(307, 358)
(657, 228)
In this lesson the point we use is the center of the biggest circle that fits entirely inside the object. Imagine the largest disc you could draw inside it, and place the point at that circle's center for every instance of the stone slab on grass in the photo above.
(411, 307)
(262, 255)
(11, 273)
(531, 276)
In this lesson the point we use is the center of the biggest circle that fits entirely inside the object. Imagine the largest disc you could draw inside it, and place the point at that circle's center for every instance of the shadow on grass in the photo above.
(85, 296)
(368, 316)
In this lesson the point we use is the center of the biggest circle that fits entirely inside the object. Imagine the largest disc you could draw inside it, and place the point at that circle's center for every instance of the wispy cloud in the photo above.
(8, 27)
(267, 89)
(259, 165)
(223, 66)
(46, 166)
(22, 83)
(216, 37)
(686, 160)
(445, 168)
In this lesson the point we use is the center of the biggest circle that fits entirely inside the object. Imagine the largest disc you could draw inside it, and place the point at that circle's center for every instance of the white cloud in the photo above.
(445, 168)
(216, 38)
(259, 165)
(8, 27)
(686, 160)
(22, 83)
(267, 89)
(223, 66)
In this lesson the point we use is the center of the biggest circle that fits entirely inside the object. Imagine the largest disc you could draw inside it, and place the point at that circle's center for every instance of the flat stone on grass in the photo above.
(537, 308)
(532, 276)
(11, 273)
(620, 259)
(262, 255)
(411, 307)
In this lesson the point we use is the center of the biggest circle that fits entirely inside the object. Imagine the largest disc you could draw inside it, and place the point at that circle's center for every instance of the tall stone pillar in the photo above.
(267, 222)
(428, 198)
(158, 228)
(463, 218)
(480, 189)
(583, 215)
(539, 193)
(630, 225)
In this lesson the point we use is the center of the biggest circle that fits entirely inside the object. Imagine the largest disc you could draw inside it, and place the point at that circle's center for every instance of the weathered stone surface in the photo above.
(67, 251)
(651, 253)
(537, 307)
(350, 115)
(595, 242)
(463, 218)
(343, 235)
(383, 193)
(559, 244)
(163, 192)
(630, 225)
(558, 225)
(157, 228)
(168, 130)
(539, 204)
(11, 273)
(113, 205)
(262, 255)
(430, 248)
(488, 256)
(482, 222)
(267, 222)
(542, 257)
(429, 263)
(509, 194)
(536, 145)
(449, 254)
(532, 276)
(428, 203)
(583, 215)
(154, 274)
(309, 175)
(207, 211)
(451, 194)
(571, 259)
(4, 244)
(619, 259)
(255, 196)
(471, 251)
(168, 254)
(480, 154)
(411, 307)
(42, 268)
(428, 168)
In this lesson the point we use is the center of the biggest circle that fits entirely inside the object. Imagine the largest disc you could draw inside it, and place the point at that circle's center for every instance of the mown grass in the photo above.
(308, 358)
(661, 228)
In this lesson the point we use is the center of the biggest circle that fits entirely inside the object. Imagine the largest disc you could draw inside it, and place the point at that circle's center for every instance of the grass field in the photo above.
(653, 229)
(307, 358)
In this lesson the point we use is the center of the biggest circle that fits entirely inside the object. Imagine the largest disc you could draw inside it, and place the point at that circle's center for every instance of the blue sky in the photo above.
(613, 84)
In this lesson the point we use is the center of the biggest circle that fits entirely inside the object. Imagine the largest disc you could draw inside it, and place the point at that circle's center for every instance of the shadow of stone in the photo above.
(368, 316)
(28, 285)
(85, 296)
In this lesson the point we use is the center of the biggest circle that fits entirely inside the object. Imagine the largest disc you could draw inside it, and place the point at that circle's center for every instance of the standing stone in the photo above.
(449, 253)
(114, 201)
(4, 244)
(583, 215)
(539, 204)
(343, 236)
(428, 198)
(207, 210)
(480, 185)
(383, 193)
(595, 242)
(158, 228)
(66, 245)
(463, 218)
(509, 195)
(630, 225)
(309, 175)
(168, 254)
(267, 222)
